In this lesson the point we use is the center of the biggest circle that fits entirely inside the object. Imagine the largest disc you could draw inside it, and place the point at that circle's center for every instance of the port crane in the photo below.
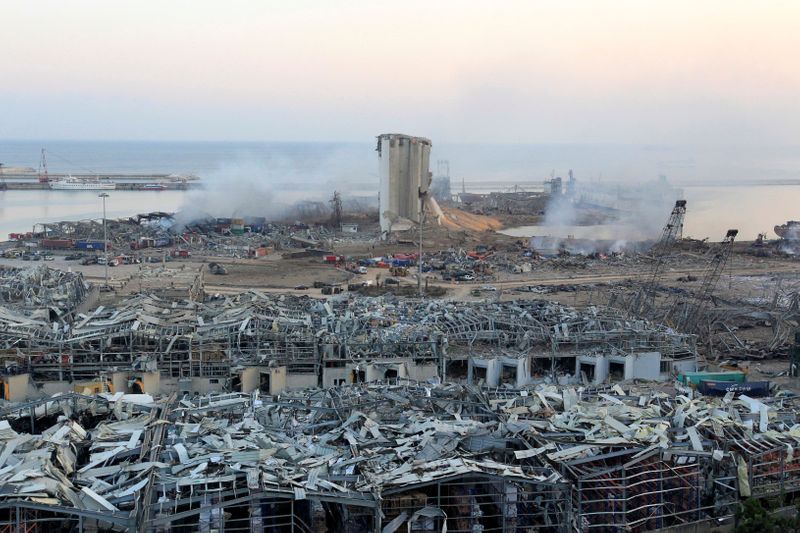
(43, 175)
(712, 274)
(672, 232)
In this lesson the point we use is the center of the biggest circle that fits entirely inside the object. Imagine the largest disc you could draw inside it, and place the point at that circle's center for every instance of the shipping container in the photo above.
(756, 389)
(56, 244)
(693, 378)
(161, 242)
(89, 245)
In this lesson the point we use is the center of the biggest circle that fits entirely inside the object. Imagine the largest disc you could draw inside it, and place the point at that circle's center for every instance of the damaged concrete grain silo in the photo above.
(404, 179)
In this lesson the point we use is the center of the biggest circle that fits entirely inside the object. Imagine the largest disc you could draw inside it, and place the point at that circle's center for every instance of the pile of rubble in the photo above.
(210, 339)
(387, 456)
(40, 287)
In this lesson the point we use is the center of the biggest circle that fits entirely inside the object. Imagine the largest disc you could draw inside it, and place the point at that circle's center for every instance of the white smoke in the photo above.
(609, 218)
(269, 185)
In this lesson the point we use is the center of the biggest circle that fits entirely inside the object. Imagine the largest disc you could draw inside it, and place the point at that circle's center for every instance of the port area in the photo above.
(26, 180)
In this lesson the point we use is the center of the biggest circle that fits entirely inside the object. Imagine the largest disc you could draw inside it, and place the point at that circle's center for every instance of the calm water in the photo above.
(259, 176)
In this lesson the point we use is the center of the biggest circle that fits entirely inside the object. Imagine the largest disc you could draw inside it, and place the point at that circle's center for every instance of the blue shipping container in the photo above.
(756, 389)
(162, 241)
(89, 245)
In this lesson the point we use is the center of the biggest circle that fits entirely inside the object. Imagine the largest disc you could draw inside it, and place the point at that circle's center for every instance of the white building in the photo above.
(404, 178)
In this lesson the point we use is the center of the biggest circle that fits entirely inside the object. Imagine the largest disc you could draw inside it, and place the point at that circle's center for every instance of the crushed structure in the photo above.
(394, 456)
(277, 342)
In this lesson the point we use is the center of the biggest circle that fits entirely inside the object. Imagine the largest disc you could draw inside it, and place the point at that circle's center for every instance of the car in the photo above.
(49, 258)
(391, 281)
(73, 257)
(89, 260)
(301, 288)
(490, 288)
(26, 257)
(36, 257)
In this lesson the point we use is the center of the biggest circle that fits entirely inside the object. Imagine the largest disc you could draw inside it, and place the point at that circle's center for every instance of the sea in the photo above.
(751, 189)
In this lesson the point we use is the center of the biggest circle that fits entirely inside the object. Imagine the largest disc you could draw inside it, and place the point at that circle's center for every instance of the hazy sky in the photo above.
(717, 72)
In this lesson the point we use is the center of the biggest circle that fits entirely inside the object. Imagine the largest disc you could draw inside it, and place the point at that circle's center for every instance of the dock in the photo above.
(123, 181)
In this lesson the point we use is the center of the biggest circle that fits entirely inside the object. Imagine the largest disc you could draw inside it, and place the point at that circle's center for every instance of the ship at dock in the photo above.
(82, 184)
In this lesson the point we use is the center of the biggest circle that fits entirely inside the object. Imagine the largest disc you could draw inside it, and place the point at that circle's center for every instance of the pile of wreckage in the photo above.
(40, 287)
(394, 456)
(312, 338)
(121, 232)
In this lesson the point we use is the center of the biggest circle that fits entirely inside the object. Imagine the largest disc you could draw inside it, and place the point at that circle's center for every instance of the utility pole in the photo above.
(104, 195)
(419, 259)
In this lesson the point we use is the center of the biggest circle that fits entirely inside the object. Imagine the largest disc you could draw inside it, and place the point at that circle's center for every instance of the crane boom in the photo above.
(672, 232)
(713, 272)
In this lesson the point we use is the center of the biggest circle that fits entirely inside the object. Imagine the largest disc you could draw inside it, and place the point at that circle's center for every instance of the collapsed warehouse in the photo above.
(386, 456)
(273, 343)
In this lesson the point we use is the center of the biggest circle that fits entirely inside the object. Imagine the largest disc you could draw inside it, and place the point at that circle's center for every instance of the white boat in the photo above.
(80, 184)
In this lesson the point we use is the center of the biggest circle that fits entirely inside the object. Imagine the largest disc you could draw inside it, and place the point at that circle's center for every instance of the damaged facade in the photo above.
(297, 342)
(392, 457)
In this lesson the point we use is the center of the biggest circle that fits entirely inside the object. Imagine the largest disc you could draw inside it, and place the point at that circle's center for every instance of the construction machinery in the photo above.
(690, 319)
(672, 232)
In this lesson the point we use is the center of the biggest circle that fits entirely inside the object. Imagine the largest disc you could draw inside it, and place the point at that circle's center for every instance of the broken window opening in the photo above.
(616, 370)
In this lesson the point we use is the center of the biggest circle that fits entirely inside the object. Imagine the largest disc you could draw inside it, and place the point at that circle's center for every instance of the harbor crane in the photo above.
(43, 175)
(712, 274)
(672, 232)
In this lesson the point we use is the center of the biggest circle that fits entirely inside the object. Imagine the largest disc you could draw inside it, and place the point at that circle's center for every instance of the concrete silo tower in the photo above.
(404, 178)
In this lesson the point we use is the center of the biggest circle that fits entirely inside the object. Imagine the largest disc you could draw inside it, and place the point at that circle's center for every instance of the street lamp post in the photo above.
(104, 195)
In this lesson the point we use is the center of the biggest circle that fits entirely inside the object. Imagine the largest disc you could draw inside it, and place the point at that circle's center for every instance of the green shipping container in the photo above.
(693, 378)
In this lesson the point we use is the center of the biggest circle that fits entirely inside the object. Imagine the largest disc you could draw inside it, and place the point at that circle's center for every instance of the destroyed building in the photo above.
(393, 457)
(275, 343)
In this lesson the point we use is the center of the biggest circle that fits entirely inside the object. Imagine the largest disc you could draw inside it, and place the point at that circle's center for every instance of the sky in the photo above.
(716, 72)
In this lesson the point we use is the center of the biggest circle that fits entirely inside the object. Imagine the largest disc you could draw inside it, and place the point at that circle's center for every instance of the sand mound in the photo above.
(457, 219)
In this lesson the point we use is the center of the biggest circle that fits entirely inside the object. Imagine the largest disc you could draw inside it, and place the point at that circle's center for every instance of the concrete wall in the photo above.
(519, 368)
(251, 378)
(643, 366)
(600, 364)
(332, 375)
(679, 367)
(296, 381)
(54, 387)
(119, 380)
(206, 385)
(492, 368)
(152, 383)
(19, 388)
(422, 372)
(636, 366)
(377, 371)
(278, 380)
